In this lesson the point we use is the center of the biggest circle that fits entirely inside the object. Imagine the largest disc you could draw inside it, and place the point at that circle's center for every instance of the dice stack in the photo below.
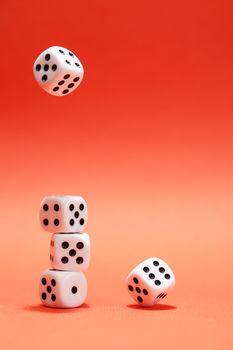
(65, 285)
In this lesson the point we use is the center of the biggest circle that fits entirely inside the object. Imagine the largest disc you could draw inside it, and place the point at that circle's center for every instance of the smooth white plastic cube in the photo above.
(150, 281)
(70, 251)
(62, 289)
(58, 71)
(63, 214)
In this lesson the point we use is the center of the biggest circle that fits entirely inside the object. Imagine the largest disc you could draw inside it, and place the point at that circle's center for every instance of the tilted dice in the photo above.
(150, 281)
(58, 71)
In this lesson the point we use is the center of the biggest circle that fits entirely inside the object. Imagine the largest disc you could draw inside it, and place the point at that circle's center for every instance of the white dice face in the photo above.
(58, 71)
(62, 289)
(63, 214)
(70, 251)
(150, 281)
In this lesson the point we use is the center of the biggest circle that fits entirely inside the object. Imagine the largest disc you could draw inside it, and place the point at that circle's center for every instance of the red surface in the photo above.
(147, 140)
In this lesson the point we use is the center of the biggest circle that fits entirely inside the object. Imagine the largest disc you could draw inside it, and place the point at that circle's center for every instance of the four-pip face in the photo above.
(63, 214)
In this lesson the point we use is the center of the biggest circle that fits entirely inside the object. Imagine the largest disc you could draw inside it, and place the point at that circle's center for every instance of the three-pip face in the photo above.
(63, 214)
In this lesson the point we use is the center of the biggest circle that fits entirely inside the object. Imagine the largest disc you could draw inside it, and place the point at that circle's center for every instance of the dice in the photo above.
(58, 71)
(70, 251)
(62, 289)
(63, 214)
(150, 281)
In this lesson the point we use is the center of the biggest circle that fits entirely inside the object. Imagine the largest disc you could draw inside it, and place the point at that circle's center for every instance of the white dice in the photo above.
(62, 289)
(70, 251)
(58, 71)
(63, 214)
(150, 281)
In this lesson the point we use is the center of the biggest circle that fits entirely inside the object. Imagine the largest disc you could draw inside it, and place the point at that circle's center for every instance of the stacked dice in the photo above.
(65, 285)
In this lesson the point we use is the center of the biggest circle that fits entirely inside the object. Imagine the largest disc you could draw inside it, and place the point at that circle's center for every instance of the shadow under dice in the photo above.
(70, 252)
(150, 281)
(58, 71)
(62, 289)
(63, 214)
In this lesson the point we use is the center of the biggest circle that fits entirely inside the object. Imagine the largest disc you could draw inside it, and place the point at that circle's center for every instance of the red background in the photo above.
(147, 140)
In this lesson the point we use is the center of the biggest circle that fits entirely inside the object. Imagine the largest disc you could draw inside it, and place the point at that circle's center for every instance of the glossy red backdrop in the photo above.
(147, 140)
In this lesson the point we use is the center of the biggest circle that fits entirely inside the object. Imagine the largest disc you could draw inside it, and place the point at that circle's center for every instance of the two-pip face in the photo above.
(63, 214)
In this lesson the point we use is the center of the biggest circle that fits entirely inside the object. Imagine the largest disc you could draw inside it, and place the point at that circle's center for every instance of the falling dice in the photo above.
(58, 71)
(150, 281)
(70, 251)
(62, 289)
(63, 214)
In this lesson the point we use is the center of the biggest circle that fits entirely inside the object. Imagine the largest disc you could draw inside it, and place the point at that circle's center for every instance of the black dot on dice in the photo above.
(71, 207)
(162, 269)
(46, 67)
(156, 263)
(43, 296)
(78, 65)
(130, 288)
(66, 76)
(157, 282)
(44, 77)
(65, 91)
(145, 291)
(64, 260)
(61, 51)
(138, 290)
(74, 289)
(72, 252)
(71, 85)
(49, 289)
(45, 207)
(53, 297)
(76, 79)
(167, 276)
(65, 245)
(80, 245)
(53, 282)
(68, 62)
(61, 82)
(76, 214)
(146, 269)
(43, 281)
(135, 280)
(81, 221)
(56, 207)
(47, 57)
(79, 260)
(140, 299)
(72, 222)
(46, 222)
(56, 222)
(81, 206)
(38, 67)
(54, 67)
(71, 54)
(151, 275)
(56, 88)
